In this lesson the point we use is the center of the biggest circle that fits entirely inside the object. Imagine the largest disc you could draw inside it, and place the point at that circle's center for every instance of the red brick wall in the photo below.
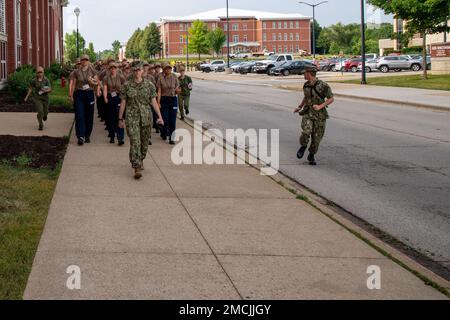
(10, 20)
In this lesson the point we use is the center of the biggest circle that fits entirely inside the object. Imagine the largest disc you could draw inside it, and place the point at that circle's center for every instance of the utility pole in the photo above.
(313, 6)
(187, 46)
(228, 37)
(77, 13)
(363, 42)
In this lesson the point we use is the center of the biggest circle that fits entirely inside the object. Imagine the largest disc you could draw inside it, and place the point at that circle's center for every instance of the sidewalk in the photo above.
(196, 232)
(26, 124)
(433, 99)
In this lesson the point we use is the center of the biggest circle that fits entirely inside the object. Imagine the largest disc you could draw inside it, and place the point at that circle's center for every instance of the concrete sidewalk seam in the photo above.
(200, 232)
(439, 283)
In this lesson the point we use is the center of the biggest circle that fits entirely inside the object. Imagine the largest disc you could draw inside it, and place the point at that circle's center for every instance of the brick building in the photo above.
(253, 31)
(31, 32)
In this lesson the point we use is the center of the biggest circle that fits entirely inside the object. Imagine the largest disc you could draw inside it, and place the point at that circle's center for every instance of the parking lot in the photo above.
(287, 65)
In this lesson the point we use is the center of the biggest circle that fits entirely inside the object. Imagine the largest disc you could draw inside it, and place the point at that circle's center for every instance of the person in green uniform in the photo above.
(136, 96)
(39, 90)
(317, 97)
(185, 95)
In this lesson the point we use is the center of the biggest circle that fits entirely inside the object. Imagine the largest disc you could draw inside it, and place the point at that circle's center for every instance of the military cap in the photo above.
(151, 66)
(138, 66)
(166, 65)
(158, 65)
(181, 68)
(146, 64)
(310, 68)
(77, 61)
(85, 57)
(113, 65)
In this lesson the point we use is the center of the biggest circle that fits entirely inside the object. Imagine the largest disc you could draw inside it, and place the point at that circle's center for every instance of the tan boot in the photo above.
(138, 173)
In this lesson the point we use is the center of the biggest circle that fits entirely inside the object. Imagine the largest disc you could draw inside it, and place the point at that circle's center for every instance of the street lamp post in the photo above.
(363, 42)
(228, 37)
(313, 6)
(77, 13)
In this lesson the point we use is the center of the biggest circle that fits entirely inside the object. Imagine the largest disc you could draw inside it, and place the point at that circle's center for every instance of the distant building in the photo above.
(31, 32)
(250, 31)
(416, 41)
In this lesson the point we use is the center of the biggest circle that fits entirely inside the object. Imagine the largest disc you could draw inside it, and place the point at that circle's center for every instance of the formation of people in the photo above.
(141, 96)
(137, 97)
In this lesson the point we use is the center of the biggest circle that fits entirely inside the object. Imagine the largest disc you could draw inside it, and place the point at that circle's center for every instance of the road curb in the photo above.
(340, 216)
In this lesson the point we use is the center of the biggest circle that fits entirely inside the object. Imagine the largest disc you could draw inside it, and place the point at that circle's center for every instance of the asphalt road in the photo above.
(387, 164)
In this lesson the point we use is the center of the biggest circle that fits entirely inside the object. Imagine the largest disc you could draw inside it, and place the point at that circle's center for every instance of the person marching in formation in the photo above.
(137, 95)
(313, 109)
(39, 89)
(185, 95)
(168, 87)
(84, 81)
(112, 86)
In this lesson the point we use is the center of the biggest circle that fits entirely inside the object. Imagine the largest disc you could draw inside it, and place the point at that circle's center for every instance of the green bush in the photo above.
(18, 82)
(54, 72)
(411, 50)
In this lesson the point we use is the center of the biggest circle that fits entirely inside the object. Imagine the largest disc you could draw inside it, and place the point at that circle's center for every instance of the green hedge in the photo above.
(19, 81)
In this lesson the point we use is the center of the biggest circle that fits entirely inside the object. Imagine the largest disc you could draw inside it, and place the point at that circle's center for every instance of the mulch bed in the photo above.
(44, 152)
(7, 104)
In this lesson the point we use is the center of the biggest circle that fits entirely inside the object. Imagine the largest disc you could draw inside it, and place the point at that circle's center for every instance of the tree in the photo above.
(145, 44)
(107, 54)
(91, 52)
(155, 44)
(198, 40)
(217, 39)
(317, 30)
(70, 46)
(421, 16)
(133, 44)
(116, 45)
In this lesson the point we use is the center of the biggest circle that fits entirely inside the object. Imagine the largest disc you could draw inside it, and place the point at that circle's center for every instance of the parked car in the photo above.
(235, 66)
(241, 55)
(398, 63)
(352, 64)
(291, 67)
(328, 64)
(371, 56)
(371, 65)
(340, 63)
(246, 67)
(208, 67)
(272, 62)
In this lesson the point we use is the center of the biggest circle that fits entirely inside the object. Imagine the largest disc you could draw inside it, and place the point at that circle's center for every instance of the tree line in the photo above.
(70, 48)
(145, 44)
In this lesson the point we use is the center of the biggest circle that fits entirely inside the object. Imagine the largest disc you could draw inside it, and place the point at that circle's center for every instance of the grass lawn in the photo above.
(25, 196)
(436, 82)
(60, 96)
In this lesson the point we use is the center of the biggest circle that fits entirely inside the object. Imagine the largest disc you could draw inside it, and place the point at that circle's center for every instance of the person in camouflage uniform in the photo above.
(185, 95)
(39, 89)
(313, 109)
(137, 95)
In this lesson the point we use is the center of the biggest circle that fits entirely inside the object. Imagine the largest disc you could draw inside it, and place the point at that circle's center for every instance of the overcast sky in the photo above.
(103, 21)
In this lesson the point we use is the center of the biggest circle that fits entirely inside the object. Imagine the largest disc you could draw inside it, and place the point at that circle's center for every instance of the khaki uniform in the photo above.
(138, 118)
(185, 96)
(314, 122)
(40, 99)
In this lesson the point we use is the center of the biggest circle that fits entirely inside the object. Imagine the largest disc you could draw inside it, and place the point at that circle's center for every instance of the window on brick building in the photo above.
(274, 25)
(274, 37)
(225, 27)
(280, 25)
(181, 39)
(292, 48)
(264, 36)
(2, 58)
(181, 50)
(245, 26)
(297, 37)
(235, 38)
(235, 27)
(18, 24)
(245, 38)
(181, 27)
(285, 49)
(291, 24)
(264, 25)
(280, 49)
(280, 36)
(285, 25)
(291, 37)
(275, 49)
(297, 24)
(297, 48)
(2, 17)
(285, 37)
(30, 41)
(19, 56)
